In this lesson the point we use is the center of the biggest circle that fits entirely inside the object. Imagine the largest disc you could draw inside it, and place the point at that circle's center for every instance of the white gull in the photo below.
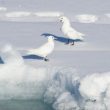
(70, 32)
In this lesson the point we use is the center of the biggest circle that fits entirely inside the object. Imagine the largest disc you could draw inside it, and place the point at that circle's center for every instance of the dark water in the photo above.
(23, 105)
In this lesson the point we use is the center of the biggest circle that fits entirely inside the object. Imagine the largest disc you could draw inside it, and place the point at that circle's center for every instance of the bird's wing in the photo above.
(41, 51)
(73, 31)
(81, 34)
(43, 47)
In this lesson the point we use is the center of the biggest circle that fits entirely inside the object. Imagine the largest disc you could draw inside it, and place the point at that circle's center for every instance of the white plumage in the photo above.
(69, 31)
(44, 50)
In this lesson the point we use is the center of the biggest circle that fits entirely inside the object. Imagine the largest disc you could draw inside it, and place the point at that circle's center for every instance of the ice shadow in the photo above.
(61, 38)
(26, 57)
(32, 57)
(1, 61)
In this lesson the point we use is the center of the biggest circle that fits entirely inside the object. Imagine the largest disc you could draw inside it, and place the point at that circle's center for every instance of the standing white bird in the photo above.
(69, 31)
(44, 50)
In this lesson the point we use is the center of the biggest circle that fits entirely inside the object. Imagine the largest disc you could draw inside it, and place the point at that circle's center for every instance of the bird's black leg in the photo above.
(45, 59)
(72, 43)
(68, 41)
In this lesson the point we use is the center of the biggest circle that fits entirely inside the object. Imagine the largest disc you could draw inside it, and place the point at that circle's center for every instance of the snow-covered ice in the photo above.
(64, 88)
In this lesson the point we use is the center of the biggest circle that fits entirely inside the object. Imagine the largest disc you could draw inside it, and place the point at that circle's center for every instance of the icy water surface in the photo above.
(23, 105)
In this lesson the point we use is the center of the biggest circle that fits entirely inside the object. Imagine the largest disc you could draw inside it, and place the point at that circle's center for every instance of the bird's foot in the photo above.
(45, 59)
(72, 43)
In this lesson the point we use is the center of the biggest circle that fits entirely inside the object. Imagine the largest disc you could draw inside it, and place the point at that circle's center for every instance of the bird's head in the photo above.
(63, 19)
(50, 38)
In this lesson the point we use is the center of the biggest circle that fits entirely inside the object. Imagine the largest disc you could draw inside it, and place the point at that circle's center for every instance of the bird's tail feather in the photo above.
(81, 34)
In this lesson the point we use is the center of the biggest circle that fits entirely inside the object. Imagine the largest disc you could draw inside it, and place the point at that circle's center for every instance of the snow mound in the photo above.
(48, 14)
(108, 15)
(93, 86)
(3, 9)
(18, 80)
(17, 14)
(84, 18)
(61, 87)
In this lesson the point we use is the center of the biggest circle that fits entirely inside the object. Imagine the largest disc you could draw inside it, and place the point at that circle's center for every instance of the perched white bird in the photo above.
(44, 50)
(69, 31)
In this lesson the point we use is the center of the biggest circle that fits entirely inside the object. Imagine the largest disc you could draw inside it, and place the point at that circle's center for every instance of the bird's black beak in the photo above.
(60, 20)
